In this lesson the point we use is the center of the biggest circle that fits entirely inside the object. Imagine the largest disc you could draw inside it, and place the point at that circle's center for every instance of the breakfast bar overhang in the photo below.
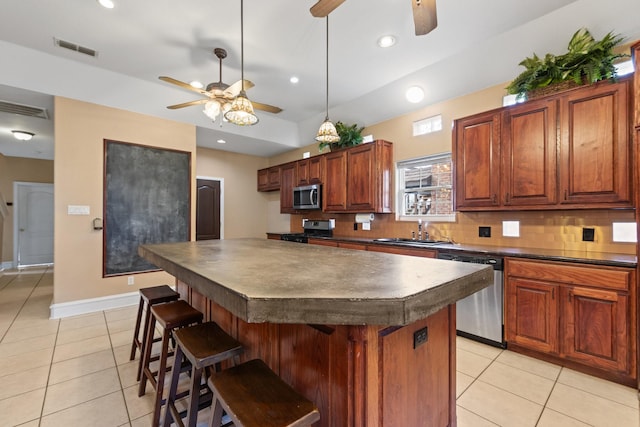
(369, 337)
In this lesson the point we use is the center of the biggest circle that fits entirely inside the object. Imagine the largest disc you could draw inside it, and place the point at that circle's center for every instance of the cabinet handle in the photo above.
(493, 200)
(565, 194)
(507, 197)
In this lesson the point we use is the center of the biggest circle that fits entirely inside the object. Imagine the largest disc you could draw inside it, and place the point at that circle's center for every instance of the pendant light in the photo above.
(241, 111)
(327, 132)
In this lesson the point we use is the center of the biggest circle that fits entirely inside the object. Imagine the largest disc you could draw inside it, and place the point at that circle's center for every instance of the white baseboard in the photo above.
(91, 305)
(7, 265)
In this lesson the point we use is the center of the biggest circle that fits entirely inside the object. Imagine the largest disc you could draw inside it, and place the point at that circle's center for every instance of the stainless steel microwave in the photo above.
(307, 197)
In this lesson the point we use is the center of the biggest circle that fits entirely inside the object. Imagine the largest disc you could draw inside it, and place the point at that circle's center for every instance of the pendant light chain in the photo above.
(327, 64)
(327, 133)
(242, 44)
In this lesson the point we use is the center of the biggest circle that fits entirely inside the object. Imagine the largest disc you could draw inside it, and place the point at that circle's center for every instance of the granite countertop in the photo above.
(586, 257)
(262, 280)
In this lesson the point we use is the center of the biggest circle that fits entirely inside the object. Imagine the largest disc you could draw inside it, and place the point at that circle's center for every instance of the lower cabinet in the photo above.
(576, 314)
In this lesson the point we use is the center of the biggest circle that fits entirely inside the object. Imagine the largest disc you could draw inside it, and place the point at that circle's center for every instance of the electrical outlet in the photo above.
(588, 234)
(420, 337)
(130, 280)
(484, 231)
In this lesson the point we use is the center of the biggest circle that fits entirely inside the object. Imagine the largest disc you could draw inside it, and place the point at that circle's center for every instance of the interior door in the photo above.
(33, 223)
(207, 209)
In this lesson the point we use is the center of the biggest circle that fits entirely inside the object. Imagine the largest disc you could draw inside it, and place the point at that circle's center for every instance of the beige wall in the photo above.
(245, 209)
(18, 169)
(80, 129)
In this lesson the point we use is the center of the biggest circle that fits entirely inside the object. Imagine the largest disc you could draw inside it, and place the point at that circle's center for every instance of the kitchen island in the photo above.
(369, 337)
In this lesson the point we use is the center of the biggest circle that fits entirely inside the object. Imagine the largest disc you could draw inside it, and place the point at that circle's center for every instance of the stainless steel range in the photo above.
(312, 228)
(480, 316)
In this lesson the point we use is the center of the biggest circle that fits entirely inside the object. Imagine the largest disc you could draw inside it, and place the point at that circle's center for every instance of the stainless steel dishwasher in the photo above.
(480, 316)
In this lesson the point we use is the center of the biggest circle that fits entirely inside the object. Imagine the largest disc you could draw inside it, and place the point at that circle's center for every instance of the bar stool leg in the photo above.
(145, 334)
(160, 378)
(173, 389)
(136, 332)
(216, 415)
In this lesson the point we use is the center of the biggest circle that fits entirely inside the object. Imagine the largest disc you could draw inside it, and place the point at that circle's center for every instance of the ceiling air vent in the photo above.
(23, 110)
(76, 48)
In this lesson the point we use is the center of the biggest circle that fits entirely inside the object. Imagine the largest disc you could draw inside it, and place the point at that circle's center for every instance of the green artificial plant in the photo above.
(586, 61)
(350, 135)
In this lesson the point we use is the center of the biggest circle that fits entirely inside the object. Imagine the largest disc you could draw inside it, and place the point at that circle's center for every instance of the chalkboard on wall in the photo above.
(147, 199)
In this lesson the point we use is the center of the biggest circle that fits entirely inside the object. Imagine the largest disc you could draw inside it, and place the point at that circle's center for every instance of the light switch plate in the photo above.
(77, 210)
(625, 232)
(366, 226)
(511, 228)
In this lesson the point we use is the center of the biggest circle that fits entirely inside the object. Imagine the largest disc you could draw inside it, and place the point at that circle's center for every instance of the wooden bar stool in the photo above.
(253, 395)
(170, 316)
(148, 297)
(205, 345)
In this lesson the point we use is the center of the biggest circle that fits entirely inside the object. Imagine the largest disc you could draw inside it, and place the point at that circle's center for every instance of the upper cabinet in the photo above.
(595, 145)
(359, 179)
(565, 151)
(356, 179)
(269, 179)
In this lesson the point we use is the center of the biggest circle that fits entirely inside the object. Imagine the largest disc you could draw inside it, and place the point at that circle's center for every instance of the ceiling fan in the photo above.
(219, 95)
(424, 13)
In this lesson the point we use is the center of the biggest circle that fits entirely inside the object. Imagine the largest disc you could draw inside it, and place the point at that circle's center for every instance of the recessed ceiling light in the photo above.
(414, 94)
(22, 135)
(294, 79)
(221, 141)
(386, 41)
(196, 84)
(107, 4)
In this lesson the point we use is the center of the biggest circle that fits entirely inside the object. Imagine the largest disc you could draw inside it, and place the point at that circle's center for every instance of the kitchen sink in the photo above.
(408, 242)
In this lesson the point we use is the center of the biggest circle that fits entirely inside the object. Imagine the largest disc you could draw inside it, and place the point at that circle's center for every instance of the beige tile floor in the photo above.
(76, 372)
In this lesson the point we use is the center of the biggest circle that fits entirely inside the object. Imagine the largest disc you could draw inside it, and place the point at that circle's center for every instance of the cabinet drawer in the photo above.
(572, 274)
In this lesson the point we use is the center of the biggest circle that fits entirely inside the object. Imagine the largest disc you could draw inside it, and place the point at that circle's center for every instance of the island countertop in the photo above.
(261, 280)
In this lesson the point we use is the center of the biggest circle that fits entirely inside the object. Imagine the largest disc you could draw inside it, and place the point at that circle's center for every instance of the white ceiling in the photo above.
(477, 44)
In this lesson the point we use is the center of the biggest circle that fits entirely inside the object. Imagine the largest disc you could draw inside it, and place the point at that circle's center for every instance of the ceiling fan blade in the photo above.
(424, 16)
(183, 85)
(324, 7)
(266, 107)
(235, 88)
(188, 104)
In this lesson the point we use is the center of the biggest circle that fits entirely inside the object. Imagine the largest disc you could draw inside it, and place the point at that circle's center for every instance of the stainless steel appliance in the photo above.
(480, 316)
(312, 228)
(307, 197)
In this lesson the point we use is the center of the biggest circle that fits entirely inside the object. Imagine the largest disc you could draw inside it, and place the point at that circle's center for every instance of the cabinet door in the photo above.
(287, 182)
(596, 328)
(334, 192)
(274, 177)
(303, 172)
(263, 180)
(476, 151)
(532, 314)
(316, 169)
(594, 145)
(361, 178)
(528, 145)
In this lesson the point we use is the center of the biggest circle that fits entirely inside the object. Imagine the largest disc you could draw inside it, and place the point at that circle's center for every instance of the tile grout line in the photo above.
(115, 362)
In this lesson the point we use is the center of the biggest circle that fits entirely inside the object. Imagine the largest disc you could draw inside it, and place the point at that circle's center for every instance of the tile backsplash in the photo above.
(538, 229)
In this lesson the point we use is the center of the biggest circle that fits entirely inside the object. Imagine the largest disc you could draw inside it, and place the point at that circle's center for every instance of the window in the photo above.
(428, 125)
(425, 188)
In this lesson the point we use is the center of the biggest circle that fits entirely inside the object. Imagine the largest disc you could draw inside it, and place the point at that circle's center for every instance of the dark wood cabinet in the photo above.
(532, 314)
(529, 164)
(595, 145)
(310, 171)
(578, 315)
(476, 155)
(269, 179)
(288, 181)
(358, 179)
(570, 150)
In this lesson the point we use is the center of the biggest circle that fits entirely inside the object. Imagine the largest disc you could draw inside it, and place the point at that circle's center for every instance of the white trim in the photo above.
(213, 178)
(91, 305)
(16, 215)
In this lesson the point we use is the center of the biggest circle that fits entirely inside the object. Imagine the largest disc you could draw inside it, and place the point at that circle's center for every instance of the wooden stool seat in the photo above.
(253, 395)
(148, 296)
(204, 346)
(171, 316)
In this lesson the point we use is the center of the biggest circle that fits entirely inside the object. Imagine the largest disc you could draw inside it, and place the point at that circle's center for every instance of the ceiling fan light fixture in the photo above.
(241, 111)
(211, 110)
(22, 135)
